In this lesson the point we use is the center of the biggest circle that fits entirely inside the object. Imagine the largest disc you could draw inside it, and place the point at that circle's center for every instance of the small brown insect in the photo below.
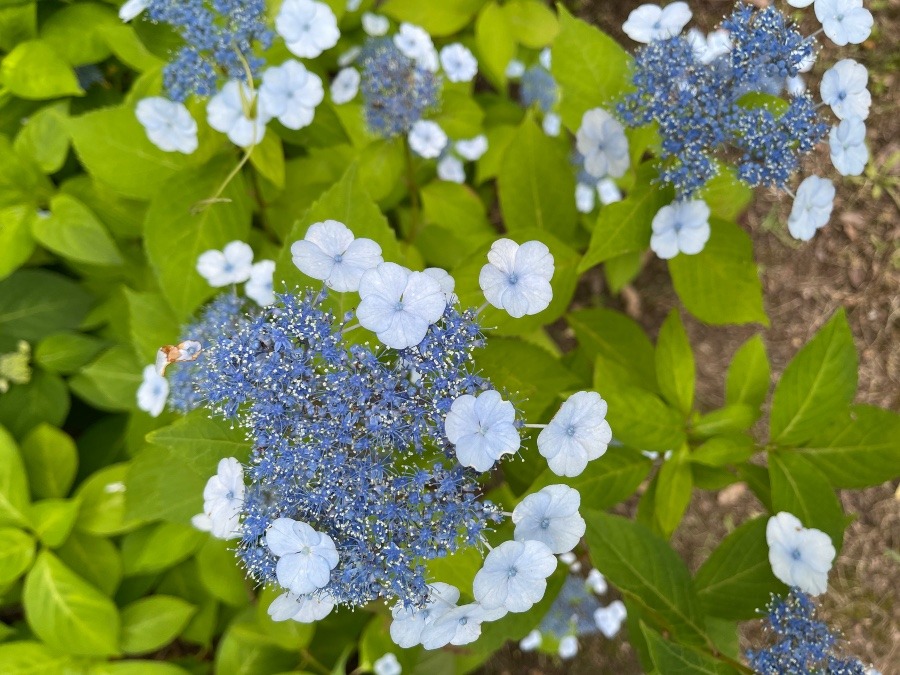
(188, 350)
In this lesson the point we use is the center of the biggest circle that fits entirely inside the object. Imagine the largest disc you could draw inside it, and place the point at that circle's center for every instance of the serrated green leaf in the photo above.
(152, 323)
(73, 232)
(53, 520)
(818, 383)
(34, 70)
(151, 623)
(74, 32)
(673, 658)
(110, 381)
(21, 181)
(800, 488)
(533, 24)
(724, 450)
(640, 419)
(748, 375)
(37, 303)
(674, 488)
(496, 45)
(16, 553)
(16, 242)
(675, 371)
(65, 353)
(103, 503)
(67, 612)
(45, 137)
(159, 546)
(720, 285)
(44, 399)
(14, 499)
(32, 658)
(95, 559)
(51, 460)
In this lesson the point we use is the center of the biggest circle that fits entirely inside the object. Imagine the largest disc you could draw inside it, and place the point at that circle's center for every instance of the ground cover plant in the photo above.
(313, 355)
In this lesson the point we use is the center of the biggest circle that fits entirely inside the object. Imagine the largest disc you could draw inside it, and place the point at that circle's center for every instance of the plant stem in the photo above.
(416, 210)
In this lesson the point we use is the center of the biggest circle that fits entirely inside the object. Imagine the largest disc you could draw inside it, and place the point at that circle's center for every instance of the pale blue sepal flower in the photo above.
(410, 622)
(259, 287)
(799, 556)
(844, 89)
(305, 557)
(387, 665)
(551, 517)
(514, 576)
(847, 142)
(680, 227)
(459, 626)
(577, 434)
(290, 93)
(329, 252)
(602, 142)
(609, 619)
(568, 647)
(153, 392)
(168, 124)
(517, 278)
(458, 63)
(301, 608)
(844, 21)
(223, 500)
(232, 265)
(812, 207)
(308, 28)
(482, 428)
(651, 22)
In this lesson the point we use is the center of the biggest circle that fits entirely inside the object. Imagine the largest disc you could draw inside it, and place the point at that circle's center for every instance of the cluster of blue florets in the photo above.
(805, 646)
(397, 91)
(219, 39)
(572, 612)
(707, 113)
(347, 438)
(538, 86)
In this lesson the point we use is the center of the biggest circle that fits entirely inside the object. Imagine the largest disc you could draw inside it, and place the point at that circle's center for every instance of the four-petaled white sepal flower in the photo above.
(847, 142)
(472, 149)
(680, 227)
(330, 253)
(459, 63)
(408, 623)
(514, 576)
(577, 434)
(649, 22)
(259, 286)
(230, 112)
(308, 27)
(482, 428)
(169, 125)
(844, 21)
(427, 139)
(232, 265)
(301, 608)
(398, 305)
(799, 556)
(305, 556)
(153, 392)
(415, 42)
(551, 517)
(609, 619)
(517, 278)
(602, 142)
(375, 25)
(223, 499)
(387, 665)
(450, 168)
(345, 85)
(459, 625)
(812, 207)
(844, 89)
(290, 93)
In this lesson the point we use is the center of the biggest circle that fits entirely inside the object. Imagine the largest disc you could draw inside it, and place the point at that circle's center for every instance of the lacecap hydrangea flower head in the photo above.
(368, 454)
(737, 96)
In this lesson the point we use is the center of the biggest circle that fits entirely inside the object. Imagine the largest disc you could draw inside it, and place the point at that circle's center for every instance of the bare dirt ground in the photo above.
(854, 263)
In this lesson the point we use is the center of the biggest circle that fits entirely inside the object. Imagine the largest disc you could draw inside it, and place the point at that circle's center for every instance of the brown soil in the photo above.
(854, 263)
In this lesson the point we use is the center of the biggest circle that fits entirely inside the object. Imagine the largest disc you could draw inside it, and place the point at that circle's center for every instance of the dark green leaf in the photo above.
(675, 370)
(748, 375)
(640, 419)
(674, 486)
(37, 303)
(673, 658)
(801, 489)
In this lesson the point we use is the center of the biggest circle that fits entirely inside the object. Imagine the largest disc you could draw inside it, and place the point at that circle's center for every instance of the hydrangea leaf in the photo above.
(65, 353)
(495, 42)
(675, 371)
(44, 399)
(34, 70)
(748, 376)
(51, 460)
(95, 559)
(674, 488)
(73, 232)
(157, 547)
(533, 24)
(151, 623)
(36, 303)
(27, 657)
(672, 657)
(14, 498)
(438, 18)
(53, 520)
(16, 553)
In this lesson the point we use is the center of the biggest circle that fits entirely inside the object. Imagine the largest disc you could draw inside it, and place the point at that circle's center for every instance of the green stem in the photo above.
(415, 206)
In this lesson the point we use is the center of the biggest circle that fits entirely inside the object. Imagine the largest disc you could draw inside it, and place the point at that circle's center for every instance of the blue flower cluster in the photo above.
(804, 645)
(346, 438)
(572, 612)
(730, 107)
(397, 91)
(219, 38)
(538, 86)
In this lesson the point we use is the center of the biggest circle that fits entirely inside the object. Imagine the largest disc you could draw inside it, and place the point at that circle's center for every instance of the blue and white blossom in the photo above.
(608, 191)
(514, 69)
(398, 305)
(847, 142)
(415, 43)
(602, 143)
(375, 25)
(459, 625)
(844, 21)
(153, 392)
(596, 582)
(345, 85)
(387, 665)
(482, 428)
(232, 265)
(223, 499)
(232, 111)
(585, 197)
(409, 622)
(458, 63)
(305, 556)
(168, 124)
(844, 89)
(812, 207)
(514, 576)
(577, 434)
(472, 149)
(517, 278)
(609, 619)
(682, 227)
(551, 517)
(427, 139)
(290, 94)
(301, 608)
(649, 23)
(308, 27)
(799, 556)
(329, 252)
(451, 169)
(259, 286)
(708, 48)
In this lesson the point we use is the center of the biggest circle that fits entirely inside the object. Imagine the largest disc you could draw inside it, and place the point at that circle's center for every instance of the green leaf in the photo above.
(720, 285)
(381, 165)
(74, 32)
(151, 623)
(439, 19)
(641, 419)
(95, 559)
(176, 234)
(53, 520)
(44, 399)
(727, 420)
(606, 481)
(590, 68)
(160, 546)
(65, 353)
(460, 116)
(673, 658)
(525, 370)
(32, 658)
(268, 158)
(110, 381)
(21, 179)
(675, 371)
(536, 183)
(103, 503)
(457, 224)
(818, 383)
(624, 354)
(674, 487)
(495, 43)
(736, 579)
(801, 489)
(858, 449)
(622, 270)
(136, 667)
(51, 460)
(34, 70)
(67, 612)
(725, 195)
(14, 499)
(533, 24)
(748, 375)
(45, 137)
(16, 242)
(73, 232)
(246, 650)
(625, 226)
(114, 148)
(647, 571)
(219, 574)
(151, 322)
(166, 480)
(16, 553)
(724, 450)
(36, 303)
